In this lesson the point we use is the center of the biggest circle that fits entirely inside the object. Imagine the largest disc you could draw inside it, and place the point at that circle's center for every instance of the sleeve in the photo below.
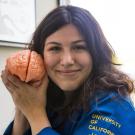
(48, 131)
(108, 117)
(44, 131)
(8, 130)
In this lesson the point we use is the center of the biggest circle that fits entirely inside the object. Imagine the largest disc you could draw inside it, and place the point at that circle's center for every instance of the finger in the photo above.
(15, 80)
(10, 87)
(35, 84)
(4, 77)
(4, 74)
(7, 83)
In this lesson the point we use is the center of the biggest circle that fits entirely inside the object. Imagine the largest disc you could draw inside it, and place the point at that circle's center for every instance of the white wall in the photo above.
(6, 103)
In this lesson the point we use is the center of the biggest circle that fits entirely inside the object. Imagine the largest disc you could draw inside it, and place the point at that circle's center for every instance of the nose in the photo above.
(67, 59)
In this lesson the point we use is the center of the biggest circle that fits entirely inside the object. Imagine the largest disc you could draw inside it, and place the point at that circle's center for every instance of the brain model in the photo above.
(27, 65)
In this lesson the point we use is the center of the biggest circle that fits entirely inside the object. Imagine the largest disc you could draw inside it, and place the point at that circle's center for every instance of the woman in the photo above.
(82, 93)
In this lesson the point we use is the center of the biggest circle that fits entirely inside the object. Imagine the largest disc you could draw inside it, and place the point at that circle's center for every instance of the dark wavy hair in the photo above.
(104, 75)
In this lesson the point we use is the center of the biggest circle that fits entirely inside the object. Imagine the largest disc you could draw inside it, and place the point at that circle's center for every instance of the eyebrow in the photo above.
(57, 43)
(77, 41)
(53, 42)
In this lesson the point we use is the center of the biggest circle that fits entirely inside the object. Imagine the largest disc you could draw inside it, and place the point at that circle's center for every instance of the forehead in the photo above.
(67, 32)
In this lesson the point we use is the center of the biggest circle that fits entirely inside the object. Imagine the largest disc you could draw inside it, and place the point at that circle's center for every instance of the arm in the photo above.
(20, 124)
(30, 99)
(38, 121)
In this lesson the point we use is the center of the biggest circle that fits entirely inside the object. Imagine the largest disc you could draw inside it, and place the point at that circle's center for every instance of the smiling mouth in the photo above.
(68, 72)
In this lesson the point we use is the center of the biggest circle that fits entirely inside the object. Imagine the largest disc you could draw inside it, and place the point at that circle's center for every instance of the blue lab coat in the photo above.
(110, 114)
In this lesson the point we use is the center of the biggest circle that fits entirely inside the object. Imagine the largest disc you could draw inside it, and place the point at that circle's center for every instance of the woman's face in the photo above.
(68, 62)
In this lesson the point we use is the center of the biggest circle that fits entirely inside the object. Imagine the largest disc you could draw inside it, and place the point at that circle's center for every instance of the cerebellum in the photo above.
(27, 65)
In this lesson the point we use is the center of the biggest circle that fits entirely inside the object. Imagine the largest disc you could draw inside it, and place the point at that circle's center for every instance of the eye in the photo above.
(80, 47)
(55, 48)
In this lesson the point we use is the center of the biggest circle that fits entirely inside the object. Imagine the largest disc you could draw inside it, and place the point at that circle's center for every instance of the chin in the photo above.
(68, 87)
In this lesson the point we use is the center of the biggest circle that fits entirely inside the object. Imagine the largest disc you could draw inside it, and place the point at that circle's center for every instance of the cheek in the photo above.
(50, 61)
(86, 61)
(90, 64)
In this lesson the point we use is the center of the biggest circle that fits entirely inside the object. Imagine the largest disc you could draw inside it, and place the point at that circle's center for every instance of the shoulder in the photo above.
(110, 113)
(112, 100)
(113, 112)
